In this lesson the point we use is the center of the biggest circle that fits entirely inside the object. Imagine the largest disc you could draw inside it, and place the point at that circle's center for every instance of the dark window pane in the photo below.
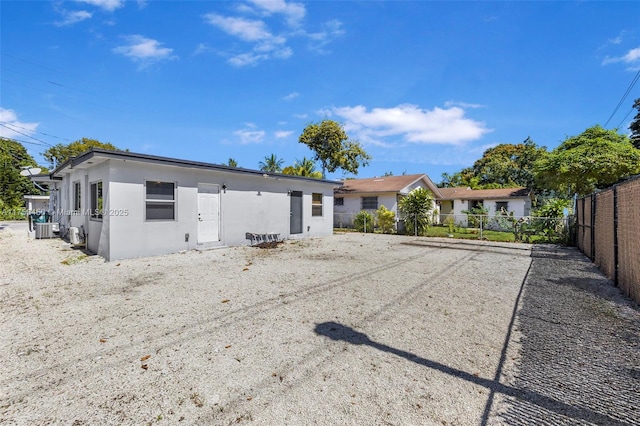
(161, 211)
(369, 203)
(160, 190)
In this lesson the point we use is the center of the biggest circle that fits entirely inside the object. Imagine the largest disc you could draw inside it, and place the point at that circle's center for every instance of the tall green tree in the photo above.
(232, 163)
(465, 177)
(60, 153)
(13, 186)
(271, 164)
(594, 159)
(509, 165)
(503, 166)
(635, 126)
(333, 148)
(415, 209)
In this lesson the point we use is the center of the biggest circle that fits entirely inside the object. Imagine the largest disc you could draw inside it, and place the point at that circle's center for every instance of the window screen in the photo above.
(160, 201)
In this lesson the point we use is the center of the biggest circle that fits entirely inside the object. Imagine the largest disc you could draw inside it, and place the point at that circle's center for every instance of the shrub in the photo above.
(386, 220)
(363, 222)
(475, 215)
(415, 210)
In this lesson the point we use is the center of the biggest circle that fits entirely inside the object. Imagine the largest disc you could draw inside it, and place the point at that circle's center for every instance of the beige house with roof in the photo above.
(369, 194)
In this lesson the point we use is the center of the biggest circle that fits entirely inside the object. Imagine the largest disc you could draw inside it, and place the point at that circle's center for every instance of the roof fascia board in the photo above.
(153, 159)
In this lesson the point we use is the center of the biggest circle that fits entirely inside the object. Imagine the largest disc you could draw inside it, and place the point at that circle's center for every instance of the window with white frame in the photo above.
(160, 201)
(97, 203)
(502, 206)
(316, 204)
(369, 203)
(77, 196)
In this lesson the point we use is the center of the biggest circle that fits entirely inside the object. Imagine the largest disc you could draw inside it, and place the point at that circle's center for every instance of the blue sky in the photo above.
(425, 87)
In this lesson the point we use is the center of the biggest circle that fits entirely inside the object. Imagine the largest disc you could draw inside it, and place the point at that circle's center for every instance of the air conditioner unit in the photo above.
(44, 230)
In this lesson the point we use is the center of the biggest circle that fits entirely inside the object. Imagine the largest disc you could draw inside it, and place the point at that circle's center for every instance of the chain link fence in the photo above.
(515, 228)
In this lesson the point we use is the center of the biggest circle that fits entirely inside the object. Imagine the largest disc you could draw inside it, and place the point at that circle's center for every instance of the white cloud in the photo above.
(248, 136)
(144, 50)
(632, 57)
(70, 18)
(244, 29)
(462, 104)
(330, 30)
(294, 13)
(264, 44)
(412, 124)
(15, 128)
(108, 5)
(246, 59)
(280, 134)
(291, 96)
(202, 48)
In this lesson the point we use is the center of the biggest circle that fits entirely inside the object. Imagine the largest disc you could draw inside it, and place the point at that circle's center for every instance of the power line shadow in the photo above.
(340, 332)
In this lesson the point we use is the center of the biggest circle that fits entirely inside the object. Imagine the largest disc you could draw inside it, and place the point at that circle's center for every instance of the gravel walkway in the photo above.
(579, 355)
(351, 329)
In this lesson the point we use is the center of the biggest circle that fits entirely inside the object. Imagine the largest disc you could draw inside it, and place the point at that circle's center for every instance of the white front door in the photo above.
(208, 213)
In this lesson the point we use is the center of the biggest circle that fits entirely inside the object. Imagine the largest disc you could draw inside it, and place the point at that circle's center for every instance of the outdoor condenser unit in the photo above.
(44, 230)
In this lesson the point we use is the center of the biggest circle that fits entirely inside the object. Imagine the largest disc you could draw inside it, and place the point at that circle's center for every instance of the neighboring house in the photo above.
(457, 200)
(132, 205)
(369, 194)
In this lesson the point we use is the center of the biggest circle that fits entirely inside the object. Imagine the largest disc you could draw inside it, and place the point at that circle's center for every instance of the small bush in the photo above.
(386, 220)
(363, 221)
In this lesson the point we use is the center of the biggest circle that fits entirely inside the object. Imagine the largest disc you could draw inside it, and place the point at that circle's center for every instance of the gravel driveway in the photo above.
(351, 329)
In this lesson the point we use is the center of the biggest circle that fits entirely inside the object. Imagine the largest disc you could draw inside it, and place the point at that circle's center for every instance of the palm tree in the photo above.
(307, 167)
(271, 164)
(232, 163)
(304, 167)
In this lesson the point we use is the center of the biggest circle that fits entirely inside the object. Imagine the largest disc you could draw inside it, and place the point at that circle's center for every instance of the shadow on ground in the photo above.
(580, 349)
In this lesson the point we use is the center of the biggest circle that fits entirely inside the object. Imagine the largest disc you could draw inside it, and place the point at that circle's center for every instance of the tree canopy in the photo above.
(333, 148)
(635, 126)
(594, 159)
(503, 166)
(271, 164)
(60, 153)
(13, 186)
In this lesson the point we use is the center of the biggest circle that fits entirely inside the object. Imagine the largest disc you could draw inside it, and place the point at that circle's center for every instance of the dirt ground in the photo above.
(350, 329)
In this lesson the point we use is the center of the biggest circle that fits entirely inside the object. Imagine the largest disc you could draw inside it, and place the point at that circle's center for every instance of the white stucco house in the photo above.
(369, 194)
(125, 204)
(456, 200)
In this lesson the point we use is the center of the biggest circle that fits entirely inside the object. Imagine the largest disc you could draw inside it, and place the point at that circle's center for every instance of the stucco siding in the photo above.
(246, 203)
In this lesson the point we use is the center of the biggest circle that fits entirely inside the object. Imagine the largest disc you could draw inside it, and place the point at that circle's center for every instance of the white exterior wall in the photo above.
(36, 202)
(125, 233)
(353, 205)
(519, 206)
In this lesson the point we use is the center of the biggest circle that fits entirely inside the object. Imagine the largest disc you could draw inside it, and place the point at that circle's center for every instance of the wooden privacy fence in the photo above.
(608, 228)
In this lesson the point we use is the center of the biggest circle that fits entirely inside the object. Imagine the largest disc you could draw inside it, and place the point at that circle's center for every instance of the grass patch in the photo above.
(72, 260)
